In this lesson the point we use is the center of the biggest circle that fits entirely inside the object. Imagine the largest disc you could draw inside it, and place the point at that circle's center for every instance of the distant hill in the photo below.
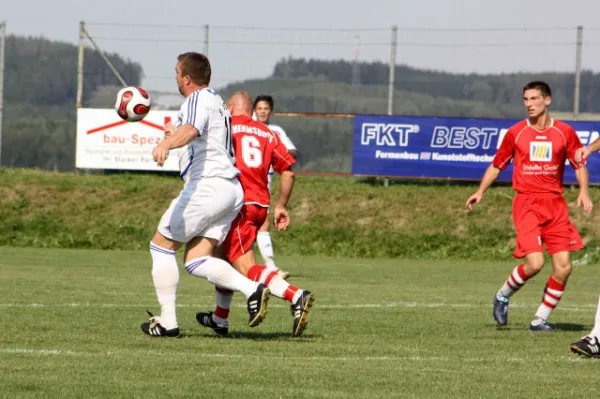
(41, 84)
(300, 85)
(39, 99)
(504, 89)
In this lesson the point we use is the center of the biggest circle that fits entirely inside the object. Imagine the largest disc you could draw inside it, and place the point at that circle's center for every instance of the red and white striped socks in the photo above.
(278, 286)
(552, 294)
(514, 282)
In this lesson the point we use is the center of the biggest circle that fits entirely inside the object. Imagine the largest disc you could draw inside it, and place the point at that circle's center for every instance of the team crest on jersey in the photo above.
(540, 151)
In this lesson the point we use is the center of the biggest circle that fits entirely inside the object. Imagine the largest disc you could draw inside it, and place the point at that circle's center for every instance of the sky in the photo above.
(246, 39)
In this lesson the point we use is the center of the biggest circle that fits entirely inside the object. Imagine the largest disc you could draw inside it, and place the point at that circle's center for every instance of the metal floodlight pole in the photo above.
(206, 33)
(391, 82)
(579, 45)
(105, 58)
(2, 45)
(80, 55)
(392, 75)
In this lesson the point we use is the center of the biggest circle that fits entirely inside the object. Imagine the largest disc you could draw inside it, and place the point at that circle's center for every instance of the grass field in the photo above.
(384, 328)
(331, 216)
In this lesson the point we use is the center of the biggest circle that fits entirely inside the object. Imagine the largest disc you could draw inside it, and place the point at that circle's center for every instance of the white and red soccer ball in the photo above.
(133, 103)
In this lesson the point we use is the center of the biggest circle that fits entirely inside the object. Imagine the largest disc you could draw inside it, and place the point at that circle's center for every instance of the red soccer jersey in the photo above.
(257, 148)
(539, 156)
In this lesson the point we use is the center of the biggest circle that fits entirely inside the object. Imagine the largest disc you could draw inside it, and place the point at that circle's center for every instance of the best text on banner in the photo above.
(447, 148)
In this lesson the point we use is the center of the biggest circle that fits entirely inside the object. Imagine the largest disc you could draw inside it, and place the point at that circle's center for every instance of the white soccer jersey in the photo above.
(211, 153)
(284, 137)
(286, 142)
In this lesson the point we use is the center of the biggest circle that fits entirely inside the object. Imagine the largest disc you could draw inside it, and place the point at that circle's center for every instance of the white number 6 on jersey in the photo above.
(251, 152)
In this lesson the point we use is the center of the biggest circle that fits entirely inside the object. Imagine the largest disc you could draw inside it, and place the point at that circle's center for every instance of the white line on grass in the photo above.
(381, 305)
(436, 359)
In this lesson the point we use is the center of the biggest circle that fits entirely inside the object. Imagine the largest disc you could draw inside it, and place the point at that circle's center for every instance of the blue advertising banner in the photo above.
(448, 148)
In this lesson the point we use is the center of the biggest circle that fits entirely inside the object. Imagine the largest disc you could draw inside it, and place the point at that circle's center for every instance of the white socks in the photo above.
(596, 331)
(166, 278)
(165, 275)
(265, 246)
(221, 274)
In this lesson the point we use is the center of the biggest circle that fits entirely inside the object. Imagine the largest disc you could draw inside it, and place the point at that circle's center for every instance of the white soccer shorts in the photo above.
(204, 208)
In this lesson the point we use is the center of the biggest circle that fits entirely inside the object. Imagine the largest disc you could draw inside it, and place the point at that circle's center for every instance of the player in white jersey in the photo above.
(263, 108)
(212, 196)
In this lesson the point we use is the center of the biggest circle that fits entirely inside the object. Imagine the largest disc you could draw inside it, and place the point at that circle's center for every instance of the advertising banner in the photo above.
(447, 148)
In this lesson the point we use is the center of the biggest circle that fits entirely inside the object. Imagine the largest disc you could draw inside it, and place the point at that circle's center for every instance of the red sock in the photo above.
(278, 286)
(289, 293)
(255, 272)
(554, 291)
(223, 298)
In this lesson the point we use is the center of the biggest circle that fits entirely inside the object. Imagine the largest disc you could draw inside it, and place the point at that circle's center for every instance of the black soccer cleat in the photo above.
(300, 310)
(541, 326)
(500, 311)
(153, 328)
(587, 346)
(257, 305)
(206, 319)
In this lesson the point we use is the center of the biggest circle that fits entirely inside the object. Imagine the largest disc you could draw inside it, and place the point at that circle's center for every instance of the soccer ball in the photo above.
(133, 103)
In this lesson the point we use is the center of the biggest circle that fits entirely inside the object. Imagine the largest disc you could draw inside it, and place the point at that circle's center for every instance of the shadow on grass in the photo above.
(255, 336)
(571, 327)
(559, 327)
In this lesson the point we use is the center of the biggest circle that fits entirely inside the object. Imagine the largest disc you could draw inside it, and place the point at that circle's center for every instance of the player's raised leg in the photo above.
(221, 274)
(589, 345)
(238, 248)
(301, 300)
(227, 201)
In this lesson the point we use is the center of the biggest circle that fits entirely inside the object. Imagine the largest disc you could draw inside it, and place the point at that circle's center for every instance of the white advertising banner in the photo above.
(105, 141)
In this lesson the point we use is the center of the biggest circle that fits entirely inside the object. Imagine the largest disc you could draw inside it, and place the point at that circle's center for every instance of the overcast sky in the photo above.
(485, 36)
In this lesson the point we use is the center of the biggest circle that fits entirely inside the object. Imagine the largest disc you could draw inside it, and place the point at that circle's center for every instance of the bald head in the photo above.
(240, 103)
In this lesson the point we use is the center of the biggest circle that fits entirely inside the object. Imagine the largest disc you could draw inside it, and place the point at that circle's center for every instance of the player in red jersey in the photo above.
(257, 148)
(539, 148)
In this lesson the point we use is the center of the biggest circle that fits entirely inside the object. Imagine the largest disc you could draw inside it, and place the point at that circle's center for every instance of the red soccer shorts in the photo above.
(543, 219)
(243, 231)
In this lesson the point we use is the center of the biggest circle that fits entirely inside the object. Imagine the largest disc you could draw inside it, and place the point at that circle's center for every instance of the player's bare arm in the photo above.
(595, 145)
(286, 185)
(491, 174)
(583, 199)
(183, 136)
(584, 152)
(169, 129)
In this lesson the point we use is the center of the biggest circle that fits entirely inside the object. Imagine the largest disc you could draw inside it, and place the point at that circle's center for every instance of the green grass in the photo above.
(379, 328)
(331, 216)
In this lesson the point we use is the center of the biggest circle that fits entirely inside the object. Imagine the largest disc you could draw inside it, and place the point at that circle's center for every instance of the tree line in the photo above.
(40, 88)
(41, 85)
